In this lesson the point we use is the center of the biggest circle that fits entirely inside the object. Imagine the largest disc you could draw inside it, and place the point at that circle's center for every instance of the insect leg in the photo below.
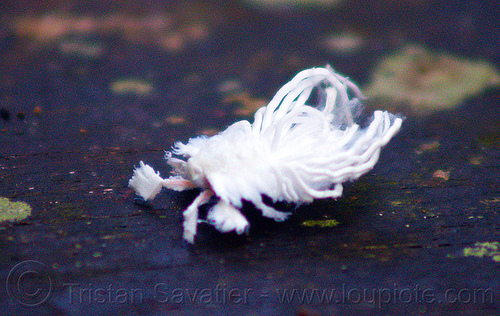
(191, 215)
(178, 184)
(226, 218)
(270, 212)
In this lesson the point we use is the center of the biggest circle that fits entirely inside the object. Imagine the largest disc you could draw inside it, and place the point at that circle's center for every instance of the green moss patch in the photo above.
(484, 249)
(13, 211)
(321, 223)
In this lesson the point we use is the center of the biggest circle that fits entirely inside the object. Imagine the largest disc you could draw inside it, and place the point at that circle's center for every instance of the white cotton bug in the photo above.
(301, 147)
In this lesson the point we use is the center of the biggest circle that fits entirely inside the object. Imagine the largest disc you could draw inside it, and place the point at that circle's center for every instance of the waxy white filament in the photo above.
(302, 146)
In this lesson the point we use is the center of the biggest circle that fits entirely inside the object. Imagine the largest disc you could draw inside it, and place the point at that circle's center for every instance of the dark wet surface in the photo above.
(68, 144)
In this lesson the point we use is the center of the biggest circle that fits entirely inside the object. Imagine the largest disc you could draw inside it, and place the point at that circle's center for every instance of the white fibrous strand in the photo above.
(302, 146)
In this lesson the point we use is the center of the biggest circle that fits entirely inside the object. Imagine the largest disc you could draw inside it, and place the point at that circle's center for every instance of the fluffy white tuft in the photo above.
(146, 182)
(226, 218)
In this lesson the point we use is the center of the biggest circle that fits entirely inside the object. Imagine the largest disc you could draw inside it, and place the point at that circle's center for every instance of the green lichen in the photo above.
(321, 223)
(427, 81)
(375, 247)
(13, 211)
(397, 203)
(484, 249)
(132, 86)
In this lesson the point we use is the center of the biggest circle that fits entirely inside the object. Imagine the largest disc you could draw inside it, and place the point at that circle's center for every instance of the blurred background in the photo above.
(238, 53)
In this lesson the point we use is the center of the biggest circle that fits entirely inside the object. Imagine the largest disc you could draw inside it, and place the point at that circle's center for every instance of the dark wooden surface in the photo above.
(68, 145)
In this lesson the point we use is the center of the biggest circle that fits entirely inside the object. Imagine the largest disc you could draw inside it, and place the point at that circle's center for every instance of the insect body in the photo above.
(302, 146)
